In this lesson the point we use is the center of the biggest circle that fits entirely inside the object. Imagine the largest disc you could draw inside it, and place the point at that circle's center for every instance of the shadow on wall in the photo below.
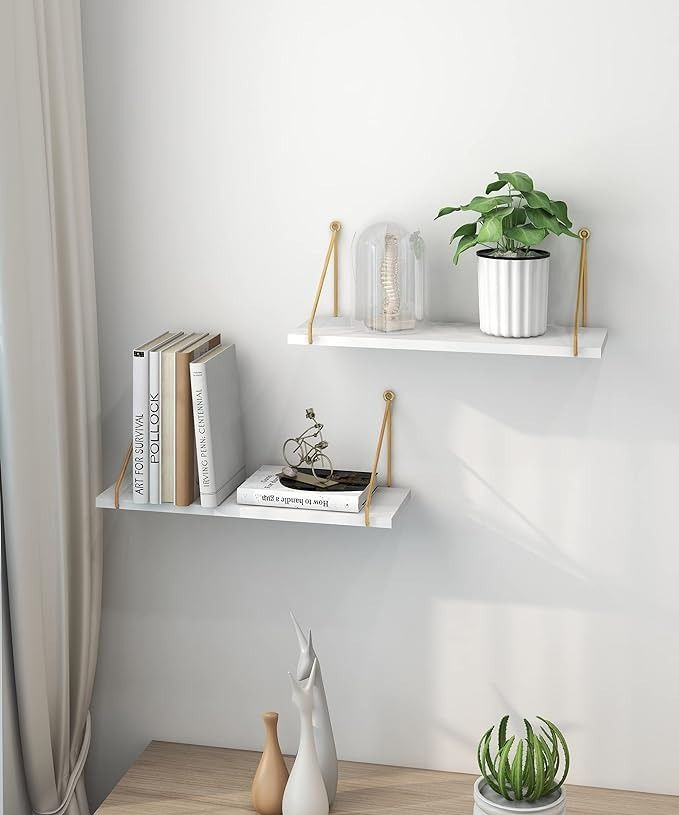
(521, 533)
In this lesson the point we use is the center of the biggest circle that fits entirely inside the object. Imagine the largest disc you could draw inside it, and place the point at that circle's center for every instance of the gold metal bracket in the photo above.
(389, 397)
(580, 318)
(121, 476)
(333, 250)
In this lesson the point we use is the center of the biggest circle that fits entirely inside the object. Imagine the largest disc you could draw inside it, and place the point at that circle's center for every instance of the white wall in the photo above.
(535, 570)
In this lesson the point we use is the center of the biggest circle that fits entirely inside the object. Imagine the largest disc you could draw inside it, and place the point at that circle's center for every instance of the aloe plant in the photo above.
(511, 223)
(524, 769)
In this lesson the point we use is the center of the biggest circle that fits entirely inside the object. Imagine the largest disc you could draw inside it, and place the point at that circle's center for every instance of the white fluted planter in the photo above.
(513, 294)
(487, 802)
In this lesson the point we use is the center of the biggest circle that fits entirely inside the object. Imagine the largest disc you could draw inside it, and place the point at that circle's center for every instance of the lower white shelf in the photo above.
(557, 341)
(386, 504)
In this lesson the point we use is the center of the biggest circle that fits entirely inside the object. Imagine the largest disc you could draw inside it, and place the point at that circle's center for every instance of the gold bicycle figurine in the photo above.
(308, 448)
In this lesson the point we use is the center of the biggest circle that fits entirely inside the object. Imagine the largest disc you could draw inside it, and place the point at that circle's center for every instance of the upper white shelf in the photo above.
(386, 503)
(466, 338)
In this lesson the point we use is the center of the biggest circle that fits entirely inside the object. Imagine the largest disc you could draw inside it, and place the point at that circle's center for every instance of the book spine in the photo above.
(184, 472)
(185, 484)
(304, 500)
(140, 426)
(202, 430)
(167, 428)
(154, 445)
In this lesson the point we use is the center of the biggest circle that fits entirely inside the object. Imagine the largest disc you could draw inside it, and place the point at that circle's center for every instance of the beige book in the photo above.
(167, 403)
(185, 470)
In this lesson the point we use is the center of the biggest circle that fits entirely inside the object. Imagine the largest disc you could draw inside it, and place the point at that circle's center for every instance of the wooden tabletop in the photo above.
(186, 779)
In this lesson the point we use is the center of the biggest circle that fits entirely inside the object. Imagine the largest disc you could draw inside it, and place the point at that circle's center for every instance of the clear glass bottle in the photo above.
(389, 271)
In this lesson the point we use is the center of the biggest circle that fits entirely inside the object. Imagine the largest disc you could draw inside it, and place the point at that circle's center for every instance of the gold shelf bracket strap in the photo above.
(580, 318)
(385, 427)
(121, 476)
(333, 251)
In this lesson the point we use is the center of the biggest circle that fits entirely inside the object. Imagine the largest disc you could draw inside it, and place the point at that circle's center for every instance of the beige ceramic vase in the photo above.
(272, 774)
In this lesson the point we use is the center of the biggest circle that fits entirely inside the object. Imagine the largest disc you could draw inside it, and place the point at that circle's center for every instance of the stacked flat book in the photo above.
(346, 491)
(186, 420)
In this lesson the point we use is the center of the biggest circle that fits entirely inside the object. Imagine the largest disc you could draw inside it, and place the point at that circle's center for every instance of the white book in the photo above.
(140, 418)
(217, 424)
(263, 489)
(155, 417)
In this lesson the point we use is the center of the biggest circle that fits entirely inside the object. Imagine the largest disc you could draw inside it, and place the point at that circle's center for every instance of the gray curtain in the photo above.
(49, 395)
(14, 795)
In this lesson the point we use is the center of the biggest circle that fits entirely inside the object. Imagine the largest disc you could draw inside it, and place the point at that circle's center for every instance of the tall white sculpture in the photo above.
(305, 791)
(322, 728)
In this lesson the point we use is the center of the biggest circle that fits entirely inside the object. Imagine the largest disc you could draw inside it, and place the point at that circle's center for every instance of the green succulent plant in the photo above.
(513, 222)
(524, 769)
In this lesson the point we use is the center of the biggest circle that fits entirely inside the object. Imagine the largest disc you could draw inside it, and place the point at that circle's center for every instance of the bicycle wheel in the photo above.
(322, 462)
(292, 453)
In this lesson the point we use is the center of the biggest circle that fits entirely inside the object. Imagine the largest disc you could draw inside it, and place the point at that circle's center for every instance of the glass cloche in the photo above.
(389, 278)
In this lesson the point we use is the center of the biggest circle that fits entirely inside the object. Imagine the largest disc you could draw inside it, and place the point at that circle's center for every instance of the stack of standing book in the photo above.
(186, 420)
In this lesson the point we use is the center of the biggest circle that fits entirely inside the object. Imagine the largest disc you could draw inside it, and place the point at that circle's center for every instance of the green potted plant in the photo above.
(522, 774)
(513, 274)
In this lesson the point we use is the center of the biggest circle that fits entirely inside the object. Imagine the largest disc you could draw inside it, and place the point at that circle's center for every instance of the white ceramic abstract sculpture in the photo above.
(322, 729)
(305, 791)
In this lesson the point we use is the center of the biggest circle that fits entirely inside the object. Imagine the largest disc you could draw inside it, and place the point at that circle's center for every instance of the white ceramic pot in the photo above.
(487, 802)
(513, 294)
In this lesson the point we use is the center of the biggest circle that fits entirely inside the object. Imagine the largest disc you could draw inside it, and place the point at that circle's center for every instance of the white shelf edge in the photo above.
(386, 504)
(339, 332)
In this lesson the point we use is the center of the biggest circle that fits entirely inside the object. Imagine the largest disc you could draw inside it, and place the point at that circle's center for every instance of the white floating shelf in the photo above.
(386, 503)
(465, 338)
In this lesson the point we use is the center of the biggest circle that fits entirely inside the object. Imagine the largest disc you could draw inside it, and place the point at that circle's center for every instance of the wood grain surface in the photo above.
(186, 779)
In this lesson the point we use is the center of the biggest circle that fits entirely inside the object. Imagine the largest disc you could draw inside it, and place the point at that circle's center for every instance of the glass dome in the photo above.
(389, 278)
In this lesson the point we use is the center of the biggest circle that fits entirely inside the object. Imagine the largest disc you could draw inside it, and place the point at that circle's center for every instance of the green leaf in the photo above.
(550, 768)
(485, 761)
(544, 220)
(496, 211)
(560, 209)
(447, 211)
(539, 769)
(465, 243)
(491, 230)
(517, 218)
(566, 755)
(555, 746)
(528, 236)
(503, 767)
(566, 231)
(520, 181)
(517, 772)
(482, 747)
(502, 732)
(483, 204)
(530, 761)
(492, 785)
(465, 229)
(529, 773)
(494, 186)
(538, 200)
